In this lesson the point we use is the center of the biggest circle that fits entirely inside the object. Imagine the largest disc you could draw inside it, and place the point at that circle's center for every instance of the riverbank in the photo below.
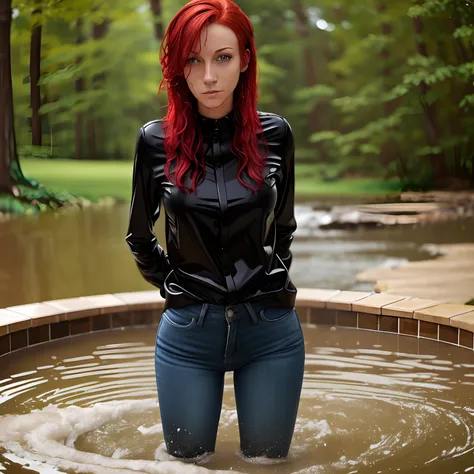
(29, 201)
(357, 202)
(448, 278)
(410, 208)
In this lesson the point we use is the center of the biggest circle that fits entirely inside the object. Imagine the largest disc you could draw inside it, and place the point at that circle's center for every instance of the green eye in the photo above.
(190, 60)
(225, 56)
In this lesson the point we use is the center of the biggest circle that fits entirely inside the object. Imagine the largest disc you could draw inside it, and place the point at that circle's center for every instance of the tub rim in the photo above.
(25, 325)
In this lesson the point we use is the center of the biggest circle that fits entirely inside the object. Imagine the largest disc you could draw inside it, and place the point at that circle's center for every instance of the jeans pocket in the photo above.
(179, 318)
(273, 315)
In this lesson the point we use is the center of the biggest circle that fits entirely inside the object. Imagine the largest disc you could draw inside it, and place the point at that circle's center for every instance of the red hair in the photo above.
(183, 138)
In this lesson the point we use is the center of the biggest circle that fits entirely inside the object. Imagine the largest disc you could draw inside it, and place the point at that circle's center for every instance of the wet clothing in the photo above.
(197, 344)
(225, 243)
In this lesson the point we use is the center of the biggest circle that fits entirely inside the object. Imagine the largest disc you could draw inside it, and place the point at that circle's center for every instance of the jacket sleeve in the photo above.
(149, 256)
(285, 209)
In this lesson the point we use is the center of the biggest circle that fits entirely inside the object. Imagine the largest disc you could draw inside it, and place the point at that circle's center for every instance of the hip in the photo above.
(202, 332)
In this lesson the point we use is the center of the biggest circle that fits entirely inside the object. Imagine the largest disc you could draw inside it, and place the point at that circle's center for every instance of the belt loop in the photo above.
(251, 312)
(203, 313)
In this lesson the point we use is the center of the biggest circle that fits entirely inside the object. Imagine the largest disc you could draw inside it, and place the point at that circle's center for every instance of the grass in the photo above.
(346, 187)
(95, 179)
(90, 179)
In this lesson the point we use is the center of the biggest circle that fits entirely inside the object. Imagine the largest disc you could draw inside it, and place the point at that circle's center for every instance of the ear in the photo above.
(245, 60)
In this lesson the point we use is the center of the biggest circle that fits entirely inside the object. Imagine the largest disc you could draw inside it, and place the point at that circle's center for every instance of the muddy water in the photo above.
(83, 253)
(371, 403)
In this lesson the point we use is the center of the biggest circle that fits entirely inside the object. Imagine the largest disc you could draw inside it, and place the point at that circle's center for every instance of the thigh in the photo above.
(267, 392)
(190, 397)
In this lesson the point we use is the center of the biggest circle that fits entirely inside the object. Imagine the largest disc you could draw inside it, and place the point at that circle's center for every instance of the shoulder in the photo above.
(275, 127)
(150, 144)
(152, 134)
(276, 130)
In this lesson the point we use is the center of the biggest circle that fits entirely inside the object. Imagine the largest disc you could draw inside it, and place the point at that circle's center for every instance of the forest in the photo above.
(372, 88)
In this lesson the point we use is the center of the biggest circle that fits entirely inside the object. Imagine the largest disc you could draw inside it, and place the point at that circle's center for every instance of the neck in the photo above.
(224, 109)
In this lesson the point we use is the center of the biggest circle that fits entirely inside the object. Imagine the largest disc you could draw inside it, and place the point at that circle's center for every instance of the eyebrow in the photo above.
(217, 50)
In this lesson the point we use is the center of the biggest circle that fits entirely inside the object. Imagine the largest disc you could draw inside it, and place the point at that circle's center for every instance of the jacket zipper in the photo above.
(222, 195)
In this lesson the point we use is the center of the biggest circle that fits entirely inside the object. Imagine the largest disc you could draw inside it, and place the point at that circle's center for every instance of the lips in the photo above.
(211, 92)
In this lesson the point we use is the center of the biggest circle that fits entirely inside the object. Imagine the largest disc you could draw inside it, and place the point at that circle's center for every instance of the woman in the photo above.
(225, 176)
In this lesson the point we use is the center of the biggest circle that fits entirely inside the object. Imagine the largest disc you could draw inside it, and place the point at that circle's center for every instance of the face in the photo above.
(213, 69)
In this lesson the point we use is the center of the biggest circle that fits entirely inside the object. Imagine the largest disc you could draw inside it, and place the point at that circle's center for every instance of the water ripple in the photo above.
(364, 410)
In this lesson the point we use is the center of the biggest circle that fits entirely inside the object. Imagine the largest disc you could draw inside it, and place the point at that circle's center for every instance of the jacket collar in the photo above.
(223, 127)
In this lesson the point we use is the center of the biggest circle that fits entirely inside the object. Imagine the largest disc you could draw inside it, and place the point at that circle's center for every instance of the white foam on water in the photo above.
(44, 441)
(298, 450)
(262, 459)
(152, 430)
(32, 466)
(162, 455)
(228, 417)
(311, 470)
(119, 453)
(319, 429)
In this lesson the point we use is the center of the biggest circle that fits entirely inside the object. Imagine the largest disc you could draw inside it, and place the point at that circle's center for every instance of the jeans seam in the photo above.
(286, 315)
(178, 326)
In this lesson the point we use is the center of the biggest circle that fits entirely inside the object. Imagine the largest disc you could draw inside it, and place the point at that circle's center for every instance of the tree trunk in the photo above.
(6, 184)
(303, 31)
(91, 139)
(99, 30)
(158, 22)
(465, 57)
(386, 28)
(389, 148)
(35, 71)
(432, 130)
(10, 170)
(80, 87)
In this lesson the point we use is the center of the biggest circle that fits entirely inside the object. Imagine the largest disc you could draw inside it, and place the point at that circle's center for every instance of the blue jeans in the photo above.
(197, 344)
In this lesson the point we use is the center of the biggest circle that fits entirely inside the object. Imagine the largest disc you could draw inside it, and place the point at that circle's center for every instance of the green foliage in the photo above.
(387, 89)
(125, 61)
(467, 101)
(32, 200)
(35, 151)
(324, 135)
(307, 98)
(412, 105)
(463, 31)
(46, 194)
(11, 205)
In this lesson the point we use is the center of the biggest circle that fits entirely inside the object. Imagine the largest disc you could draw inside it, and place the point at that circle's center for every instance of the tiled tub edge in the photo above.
(30, 324)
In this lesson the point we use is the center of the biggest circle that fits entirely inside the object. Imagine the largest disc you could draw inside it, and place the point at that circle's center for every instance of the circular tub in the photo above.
(388, 383)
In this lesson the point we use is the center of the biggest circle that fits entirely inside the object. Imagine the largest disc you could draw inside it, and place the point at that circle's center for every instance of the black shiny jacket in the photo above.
(225, 244)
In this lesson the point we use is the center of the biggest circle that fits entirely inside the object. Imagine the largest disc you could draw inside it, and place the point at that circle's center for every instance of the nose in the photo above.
(209, 74)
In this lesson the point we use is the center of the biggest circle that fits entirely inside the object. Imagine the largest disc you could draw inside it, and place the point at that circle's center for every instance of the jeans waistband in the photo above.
(232, 312)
